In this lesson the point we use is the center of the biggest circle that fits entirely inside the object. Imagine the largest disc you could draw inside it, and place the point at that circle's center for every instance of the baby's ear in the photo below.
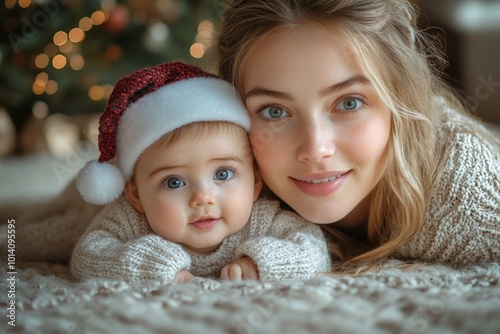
(258, 183)
(132, 194)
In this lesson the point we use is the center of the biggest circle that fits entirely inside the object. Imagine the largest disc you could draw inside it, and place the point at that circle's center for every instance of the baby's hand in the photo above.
(182, 276)
(242, 268)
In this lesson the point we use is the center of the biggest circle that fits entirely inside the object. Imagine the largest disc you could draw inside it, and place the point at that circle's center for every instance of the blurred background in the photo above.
(61, 57)
(469, 31)
(59, 60)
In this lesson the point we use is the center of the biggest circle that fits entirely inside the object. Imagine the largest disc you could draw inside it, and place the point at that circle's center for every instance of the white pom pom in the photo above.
(100, 183)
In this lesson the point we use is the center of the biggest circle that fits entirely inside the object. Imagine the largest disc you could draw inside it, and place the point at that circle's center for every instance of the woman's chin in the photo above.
(321, 216)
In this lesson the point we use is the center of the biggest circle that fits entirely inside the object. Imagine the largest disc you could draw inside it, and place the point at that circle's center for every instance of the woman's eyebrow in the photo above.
(355, 79)
(260, 91)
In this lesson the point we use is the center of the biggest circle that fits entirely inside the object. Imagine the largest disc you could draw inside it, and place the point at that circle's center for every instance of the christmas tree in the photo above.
(63, 56)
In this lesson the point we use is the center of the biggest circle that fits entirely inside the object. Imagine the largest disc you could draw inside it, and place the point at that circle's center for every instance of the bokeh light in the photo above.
(42, 60)
(197, 50)
(59, 61)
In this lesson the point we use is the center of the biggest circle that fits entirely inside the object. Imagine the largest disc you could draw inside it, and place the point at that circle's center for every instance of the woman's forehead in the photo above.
(308, 51)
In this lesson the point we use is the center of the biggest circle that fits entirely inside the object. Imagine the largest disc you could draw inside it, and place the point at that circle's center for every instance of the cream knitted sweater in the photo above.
(119, 244)
(462, 220)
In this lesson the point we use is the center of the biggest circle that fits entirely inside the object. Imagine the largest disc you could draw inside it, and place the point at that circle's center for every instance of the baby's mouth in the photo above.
(205, 224)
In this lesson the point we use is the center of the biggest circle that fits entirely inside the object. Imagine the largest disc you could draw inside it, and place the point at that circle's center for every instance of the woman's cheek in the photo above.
(261, 146)
(368, 149)
(269, 155)
(265, 136)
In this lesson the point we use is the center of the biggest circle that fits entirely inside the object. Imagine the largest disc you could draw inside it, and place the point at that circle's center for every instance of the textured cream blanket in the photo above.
(431, 299)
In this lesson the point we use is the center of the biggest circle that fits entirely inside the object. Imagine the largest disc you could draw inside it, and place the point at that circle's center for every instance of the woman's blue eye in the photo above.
(350, 104)
(223, 174)
(174, 183)
(273, 112)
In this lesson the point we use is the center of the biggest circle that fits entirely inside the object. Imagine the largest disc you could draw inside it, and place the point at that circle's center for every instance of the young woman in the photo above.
(353, 129)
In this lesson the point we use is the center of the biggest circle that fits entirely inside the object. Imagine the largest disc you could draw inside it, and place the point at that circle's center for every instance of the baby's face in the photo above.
(198, 190)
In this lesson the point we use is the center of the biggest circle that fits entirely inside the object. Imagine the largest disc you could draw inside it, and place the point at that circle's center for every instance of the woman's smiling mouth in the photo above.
(321, 184)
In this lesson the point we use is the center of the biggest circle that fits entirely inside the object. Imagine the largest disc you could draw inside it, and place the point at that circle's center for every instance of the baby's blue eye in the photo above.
(174, 183)
(350, 104)
(223, 174)
(273, 112)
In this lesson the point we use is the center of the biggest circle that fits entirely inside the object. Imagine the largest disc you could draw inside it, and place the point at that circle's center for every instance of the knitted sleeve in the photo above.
(284, 245)
(119, 245)
(462, 222)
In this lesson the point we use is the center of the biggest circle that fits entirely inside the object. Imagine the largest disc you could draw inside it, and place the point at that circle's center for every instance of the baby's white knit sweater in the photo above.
(119, 244)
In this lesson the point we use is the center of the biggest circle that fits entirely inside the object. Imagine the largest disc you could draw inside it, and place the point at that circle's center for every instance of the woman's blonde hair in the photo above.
(404, 68)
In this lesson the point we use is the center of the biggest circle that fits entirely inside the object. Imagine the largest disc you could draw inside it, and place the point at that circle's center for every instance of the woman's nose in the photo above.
(316, 141)
(202, 195)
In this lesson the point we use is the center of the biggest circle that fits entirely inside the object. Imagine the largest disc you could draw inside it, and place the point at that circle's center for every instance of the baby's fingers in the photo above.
(232, 272)
(182, 276)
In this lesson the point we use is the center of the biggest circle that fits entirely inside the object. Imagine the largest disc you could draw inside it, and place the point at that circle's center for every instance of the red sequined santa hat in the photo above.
(143, 107)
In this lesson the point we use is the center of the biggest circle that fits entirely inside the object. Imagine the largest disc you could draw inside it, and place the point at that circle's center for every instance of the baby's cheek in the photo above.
(238, 209)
